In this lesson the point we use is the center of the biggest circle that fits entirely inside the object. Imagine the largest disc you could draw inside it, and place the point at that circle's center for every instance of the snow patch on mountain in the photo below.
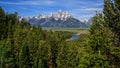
(60, 15)
(58, 19)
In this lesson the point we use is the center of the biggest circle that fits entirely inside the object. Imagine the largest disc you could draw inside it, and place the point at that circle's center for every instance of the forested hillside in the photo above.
(26, 46)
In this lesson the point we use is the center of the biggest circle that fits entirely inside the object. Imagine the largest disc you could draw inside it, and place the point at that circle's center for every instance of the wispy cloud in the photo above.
(90, 9)
(99, 4)
(84, 16)
(81, 9)
(29, 3)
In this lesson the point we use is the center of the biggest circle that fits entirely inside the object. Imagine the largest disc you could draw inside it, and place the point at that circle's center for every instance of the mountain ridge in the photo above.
(58, 19)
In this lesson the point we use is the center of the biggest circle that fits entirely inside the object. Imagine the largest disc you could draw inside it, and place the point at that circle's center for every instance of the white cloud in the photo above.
(99, 4)
(90, 9)
(29, 3)
(49, 2)
(86, 17)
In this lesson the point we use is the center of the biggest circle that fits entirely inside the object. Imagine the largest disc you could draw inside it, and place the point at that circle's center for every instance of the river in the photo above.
(73, 37)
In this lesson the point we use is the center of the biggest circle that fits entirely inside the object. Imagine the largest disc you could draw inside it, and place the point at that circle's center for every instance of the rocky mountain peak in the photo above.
(60, 15)
(58, 19)
(40, 16)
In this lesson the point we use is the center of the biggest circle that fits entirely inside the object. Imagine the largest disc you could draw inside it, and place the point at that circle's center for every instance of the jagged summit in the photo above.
(62, 15)
(40, 16)
(58, 19)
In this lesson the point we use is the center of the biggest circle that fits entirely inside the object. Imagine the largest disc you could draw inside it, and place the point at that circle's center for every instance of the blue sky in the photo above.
(80, 9)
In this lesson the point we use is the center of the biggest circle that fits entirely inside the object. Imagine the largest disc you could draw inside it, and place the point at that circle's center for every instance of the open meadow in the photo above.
(73, 30)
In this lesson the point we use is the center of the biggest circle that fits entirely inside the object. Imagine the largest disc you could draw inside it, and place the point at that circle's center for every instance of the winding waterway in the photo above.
(73, 37)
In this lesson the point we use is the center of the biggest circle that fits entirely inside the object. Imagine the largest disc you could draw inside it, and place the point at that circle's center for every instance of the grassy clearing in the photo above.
(74, 30)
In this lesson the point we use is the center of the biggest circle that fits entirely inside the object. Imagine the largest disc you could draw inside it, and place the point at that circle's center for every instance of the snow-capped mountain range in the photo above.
(58, 19)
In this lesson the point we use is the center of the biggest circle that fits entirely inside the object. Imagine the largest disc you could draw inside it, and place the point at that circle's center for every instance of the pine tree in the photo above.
(32, 41)
(3, 49)
(8, 58)
(112, 17)
(25, 57)
(19, 36)
(24, 23)
(69, 55)
(2, 24)
(99, 40)
(40, 55)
